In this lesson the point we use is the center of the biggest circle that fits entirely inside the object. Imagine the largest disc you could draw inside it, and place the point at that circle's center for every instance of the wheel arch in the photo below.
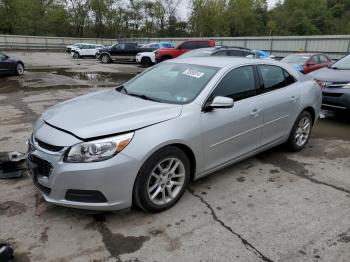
(183, 147)
(312, 112)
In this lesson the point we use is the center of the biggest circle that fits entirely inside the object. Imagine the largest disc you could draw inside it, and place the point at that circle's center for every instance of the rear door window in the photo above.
(189, 45)
(129, 46)
(237, 84)
(201, 44)
(274, 77)
(220, 53)
(235, 53)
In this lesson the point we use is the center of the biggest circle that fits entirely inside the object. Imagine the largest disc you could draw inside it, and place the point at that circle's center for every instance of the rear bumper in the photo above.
(336, 98)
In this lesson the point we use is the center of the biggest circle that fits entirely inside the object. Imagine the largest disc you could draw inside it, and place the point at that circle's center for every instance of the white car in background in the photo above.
(70, 47)
(84, 50)
(146, 59)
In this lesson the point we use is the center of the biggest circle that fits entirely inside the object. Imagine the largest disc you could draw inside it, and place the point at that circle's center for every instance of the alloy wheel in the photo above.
(166, 181)
(303, 131)
(20, 69)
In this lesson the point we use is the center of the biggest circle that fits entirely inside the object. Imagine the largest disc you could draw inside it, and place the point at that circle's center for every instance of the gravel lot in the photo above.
(277, 206)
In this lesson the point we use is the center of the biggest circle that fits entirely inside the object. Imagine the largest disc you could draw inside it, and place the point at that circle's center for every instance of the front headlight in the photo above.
(98, 150)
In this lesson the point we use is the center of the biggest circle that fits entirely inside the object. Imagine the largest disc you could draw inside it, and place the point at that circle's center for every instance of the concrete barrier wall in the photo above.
(335, 46)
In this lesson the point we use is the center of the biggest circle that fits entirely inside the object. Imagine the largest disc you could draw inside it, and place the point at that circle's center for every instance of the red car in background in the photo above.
(308, 62)
(169, 53)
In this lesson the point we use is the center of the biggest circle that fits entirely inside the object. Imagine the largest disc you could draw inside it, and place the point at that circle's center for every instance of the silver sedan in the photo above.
(141, 143)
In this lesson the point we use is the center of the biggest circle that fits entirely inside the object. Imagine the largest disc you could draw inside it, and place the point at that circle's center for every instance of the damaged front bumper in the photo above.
(105, 185)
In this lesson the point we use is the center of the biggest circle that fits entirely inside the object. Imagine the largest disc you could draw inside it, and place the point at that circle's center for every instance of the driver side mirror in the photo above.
(310, 64)
(220, 102)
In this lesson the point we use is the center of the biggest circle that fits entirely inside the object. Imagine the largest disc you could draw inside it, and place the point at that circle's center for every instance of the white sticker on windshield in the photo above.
(193, 73)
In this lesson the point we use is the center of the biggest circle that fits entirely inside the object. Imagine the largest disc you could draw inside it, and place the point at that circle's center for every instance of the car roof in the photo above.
(222, 62)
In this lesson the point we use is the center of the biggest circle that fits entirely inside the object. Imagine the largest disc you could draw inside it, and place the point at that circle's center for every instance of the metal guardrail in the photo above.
(334, 45)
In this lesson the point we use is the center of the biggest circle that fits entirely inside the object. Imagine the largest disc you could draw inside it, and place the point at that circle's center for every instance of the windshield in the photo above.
(295, 59)
(171, 82)
(198, 53)
(343, 63)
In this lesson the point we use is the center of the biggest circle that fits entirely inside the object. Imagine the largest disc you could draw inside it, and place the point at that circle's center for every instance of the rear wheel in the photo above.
(146, 62)
(105, 59)
(19, 69)
(162, 180)
(301, 131)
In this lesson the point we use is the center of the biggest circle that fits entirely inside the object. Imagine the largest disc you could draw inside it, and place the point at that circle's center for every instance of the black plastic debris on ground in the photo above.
(6, 252)
(12, 164)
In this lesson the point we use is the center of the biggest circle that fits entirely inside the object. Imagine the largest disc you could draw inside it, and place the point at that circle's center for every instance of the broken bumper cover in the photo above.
(105, 185)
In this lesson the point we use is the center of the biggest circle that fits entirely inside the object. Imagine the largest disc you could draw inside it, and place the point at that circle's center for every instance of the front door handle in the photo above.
(255, 112)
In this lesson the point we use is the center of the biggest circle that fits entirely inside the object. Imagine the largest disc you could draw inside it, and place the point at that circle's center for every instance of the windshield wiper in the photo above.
(143, 97)
(122, 89)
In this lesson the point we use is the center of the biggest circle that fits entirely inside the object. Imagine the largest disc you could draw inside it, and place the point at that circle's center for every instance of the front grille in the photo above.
(49, 147)
(332, 94)
(43, 167)
(337, 84)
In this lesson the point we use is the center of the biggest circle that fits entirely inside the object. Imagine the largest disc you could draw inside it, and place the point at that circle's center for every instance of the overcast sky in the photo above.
(183, 8)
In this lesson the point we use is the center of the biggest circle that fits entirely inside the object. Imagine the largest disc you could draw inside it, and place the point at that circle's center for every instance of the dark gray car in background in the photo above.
(335, 80)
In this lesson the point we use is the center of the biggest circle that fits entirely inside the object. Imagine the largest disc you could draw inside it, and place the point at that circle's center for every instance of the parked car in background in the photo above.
(114, 148)
(163, 54)
(85, 50)
(69, 47)
(308, 62)
(121, 52)
(10, 66)
(335, 80)
(226, 51)
(146, 59)
(158, 45)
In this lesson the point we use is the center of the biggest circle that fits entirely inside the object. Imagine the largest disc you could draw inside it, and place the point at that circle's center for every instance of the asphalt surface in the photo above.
(276, 206)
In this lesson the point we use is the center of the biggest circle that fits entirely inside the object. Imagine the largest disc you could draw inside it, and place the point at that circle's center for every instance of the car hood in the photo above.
(331, 75)
(107, 112)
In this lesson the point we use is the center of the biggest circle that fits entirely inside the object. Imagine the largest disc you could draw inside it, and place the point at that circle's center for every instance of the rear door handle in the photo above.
(255, 112)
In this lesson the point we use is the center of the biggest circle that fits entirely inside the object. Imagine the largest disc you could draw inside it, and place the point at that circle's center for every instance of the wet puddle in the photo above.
(61, 78)
(333, 125)
(88, 76)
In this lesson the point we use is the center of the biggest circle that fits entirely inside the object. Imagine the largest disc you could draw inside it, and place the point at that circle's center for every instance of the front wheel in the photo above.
(105, 59)
(76, 55)
(300, 133)
(146, 62)
(162, 180)
(19, 69)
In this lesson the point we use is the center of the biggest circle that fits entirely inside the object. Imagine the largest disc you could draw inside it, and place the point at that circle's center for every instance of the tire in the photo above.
(155, 180)
(76, 55)
(105, 59)
(19, 69)
(146, 62)
(301, 131)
